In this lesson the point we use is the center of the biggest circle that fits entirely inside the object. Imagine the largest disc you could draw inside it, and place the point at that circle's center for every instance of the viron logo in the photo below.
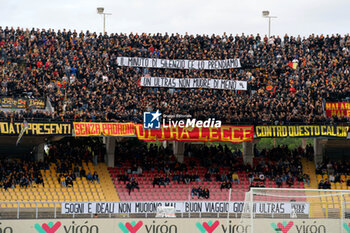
(47, 228)
(283, 227)
(347, 227)
(131, 227)
(207, 226)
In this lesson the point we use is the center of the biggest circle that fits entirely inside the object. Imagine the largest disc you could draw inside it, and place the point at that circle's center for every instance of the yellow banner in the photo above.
(107, 129)
(22, 103)
(37, 128)
(283, 131)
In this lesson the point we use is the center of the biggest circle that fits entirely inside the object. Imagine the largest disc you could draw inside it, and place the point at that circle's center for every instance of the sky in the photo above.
(294, 17)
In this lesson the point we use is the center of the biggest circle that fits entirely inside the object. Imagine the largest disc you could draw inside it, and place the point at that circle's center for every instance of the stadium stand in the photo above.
(153, 162)
(79, 74)
(289, 78)
(51, 189)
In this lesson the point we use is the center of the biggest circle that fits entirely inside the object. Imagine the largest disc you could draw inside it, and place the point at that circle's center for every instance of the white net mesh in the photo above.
(295, 204)
(165, 212)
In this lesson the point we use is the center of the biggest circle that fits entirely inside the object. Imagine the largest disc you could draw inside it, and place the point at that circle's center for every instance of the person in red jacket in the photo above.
(292, 90)
(39, 64)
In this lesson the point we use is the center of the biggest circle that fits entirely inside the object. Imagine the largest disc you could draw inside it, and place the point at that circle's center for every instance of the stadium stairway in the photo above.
(82, 190)
(327, 205)
(316, 209)
(331, 204)
(309, 168)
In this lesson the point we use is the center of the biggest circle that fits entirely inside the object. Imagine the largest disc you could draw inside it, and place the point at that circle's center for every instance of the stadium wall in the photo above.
(173, 226)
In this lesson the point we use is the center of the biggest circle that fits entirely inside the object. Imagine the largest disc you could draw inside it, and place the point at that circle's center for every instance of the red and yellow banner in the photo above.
(339, 109)
(226, 133)
(106, 129)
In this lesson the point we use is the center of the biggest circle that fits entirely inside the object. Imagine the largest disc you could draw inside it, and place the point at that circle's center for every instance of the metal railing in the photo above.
(52, 210)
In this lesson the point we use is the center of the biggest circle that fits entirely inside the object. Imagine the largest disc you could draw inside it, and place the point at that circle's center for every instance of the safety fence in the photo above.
(182, 209)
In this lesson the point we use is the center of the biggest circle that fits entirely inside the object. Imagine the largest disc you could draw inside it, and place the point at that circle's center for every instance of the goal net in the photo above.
(282, 210)
(165, 212)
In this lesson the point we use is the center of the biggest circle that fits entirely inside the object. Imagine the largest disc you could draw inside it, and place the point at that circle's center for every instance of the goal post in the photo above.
(280, 209)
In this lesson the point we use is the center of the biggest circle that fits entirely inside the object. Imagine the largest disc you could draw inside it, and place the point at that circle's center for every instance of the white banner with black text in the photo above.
(179, 63)
(194, 83)
(183, 207)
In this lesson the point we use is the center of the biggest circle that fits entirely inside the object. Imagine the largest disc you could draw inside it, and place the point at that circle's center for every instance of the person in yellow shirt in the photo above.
(63, 181)
(235, 178)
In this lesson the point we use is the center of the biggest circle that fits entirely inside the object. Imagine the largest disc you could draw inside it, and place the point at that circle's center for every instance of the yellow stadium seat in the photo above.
(337, 186)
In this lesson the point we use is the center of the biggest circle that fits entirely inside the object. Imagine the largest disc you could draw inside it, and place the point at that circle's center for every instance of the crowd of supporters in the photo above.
(67, 156)
(333, 167)
(200, 192)
(279, 164)
(79, 74)
(336, 171)
(21, 173)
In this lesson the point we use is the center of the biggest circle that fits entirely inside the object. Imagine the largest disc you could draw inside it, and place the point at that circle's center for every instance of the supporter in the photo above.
(176, 178)
(167, 180)
(278, 181)
(278, 162)
(135, 184)
(256, 177)
(129, 187)
(76, 171)
(225, 185)
(348, 182)
(95, 177)
(257, 184)
(158, 180)
(123, 177)
(327, 184)
(139, 171)
(195, 192)
(48, 63)
(24, 182)
(22, 173)
(72, 175)
(250, 177)
(82, 172)
(218, 177)
(261, 184)
(69, 181)
(337, 178)
(224, 177)
(321, 185)
(306, 179)
(186, 179)
(167, 170)
(8, 184)
(62, 180)
(40, 180)
(196, 178)
(161, 181)
(290, 181)
(235, 178)
(206, 193)
(207, 177)
(89, 177)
